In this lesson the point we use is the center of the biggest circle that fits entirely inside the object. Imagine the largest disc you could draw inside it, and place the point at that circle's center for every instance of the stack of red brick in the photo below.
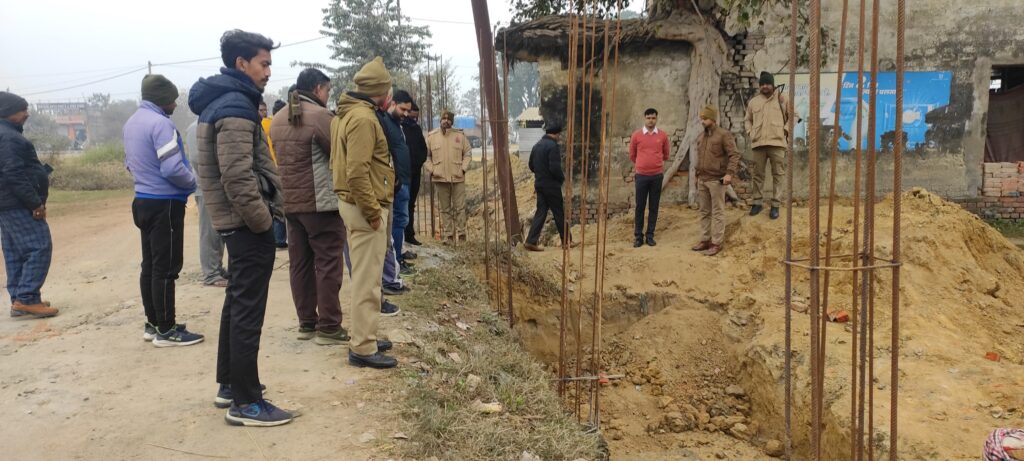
(1002, 192)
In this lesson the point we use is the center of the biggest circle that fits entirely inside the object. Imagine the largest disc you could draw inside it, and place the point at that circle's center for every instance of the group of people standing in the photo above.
(717, 163)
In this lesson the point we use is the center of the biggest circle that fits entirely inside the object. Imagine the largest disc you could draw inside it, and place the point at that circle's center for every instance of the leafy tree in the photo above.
(444, 87)
(469, 104)
(523, 87)
(361, 30)
(528, 10)
(107, 126)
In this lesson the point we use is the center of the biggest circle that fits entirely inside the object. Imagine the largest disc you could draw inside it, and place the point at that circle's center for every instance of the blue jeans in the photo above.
(280, 233)
(28, 249)
(401, 219)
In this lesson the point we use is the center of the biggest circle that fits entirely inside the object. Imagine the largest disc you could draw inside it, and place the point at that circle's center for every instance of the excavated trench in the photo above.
(695, 385)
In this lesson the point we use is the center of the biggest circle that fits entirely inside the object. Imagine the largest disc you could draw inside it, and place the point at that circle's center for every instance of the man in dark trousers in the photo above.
(24, 185)
(648, 150)
(546, 165)
(155, 156)
(418, 154)
(243, 195)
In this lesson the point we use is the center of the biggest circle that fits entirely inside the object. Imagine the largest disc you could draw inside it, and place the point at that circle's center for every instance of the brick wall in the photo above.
(1002, 192)
(614, 209)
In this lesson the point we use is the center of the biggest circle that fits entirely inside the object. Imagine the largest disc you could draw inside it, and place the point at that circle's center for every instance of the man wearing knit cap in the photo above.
(364, 181)
(546, 165)
(24, 185)
(448, 159)
(155, 156)
(717, 161)
(767, 115)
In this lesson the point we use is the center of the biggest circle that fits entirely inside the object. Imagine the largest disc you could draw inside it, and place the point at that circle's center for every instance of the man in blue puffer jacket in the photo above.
(155, 156)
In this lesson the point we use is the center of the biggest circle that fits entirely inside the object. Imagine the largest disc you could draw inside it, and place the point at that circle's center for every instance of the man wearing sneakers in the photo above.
(243, 195)
(24, 184)
(155, 157)
(364, 181)
(302, 135)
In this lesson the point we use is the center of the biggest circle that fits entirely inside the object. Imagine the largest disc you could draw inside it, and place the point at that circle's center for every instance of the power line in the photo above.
(87, 83)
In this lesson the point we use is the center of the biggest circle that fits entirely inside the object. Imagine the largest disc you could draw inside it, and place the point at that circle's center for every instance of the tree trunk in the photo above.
(709, 56)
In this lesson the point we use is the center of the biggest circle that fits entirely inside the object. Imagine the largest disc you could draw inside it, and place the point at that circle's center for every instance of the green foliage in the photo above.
(361, 30)
(523, 87)
(528, 10)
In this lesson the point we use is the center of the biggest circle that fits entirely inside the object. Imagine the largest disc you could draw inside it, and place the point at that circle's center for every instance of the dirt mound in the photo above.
(685, 329)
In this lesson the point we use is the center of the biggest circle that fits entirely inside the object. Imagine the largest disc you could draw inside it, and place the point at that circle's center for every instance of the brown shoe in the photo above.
(532, 247)
(713, 250)
(35, 310)
(702, 246)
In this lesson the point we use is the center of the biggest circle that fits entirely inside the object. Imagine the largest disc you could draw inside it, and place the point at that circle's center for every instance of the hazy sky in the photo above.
(48, 45)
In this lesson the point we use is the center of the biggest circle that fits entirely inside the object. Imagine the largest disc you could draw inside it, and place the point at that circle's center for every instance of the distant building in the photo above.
(71, 116)
(529, 130)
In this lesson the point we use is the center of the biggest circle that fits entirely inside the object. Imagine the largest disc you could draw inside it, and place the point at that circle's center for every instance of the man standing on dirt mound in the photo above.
(243, 195)
(302, 134)
(717, 161)
(766, 118)
(648, 150)
(364, 181)
(448, 159)
(24, 185)
(546, 165)
(155, 156)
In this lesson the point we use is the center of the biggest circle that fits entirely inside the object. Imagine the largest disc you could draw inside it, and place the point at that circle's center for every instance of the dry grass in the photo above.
(99, 168)
(440, 405)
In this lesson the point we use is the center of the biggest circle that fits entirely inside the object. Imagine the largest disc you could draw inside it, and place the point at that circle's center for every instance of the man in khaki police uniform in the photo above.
(767, 114)
(448, 159)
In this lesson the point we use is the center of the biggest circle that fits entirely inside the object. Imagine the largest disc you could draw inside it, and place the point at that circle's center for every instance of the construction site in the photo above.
(877, 319)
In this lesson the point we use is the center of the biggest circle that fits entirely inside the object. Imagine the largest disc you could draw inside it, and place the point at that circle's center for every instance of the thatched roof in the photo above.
(549, 36)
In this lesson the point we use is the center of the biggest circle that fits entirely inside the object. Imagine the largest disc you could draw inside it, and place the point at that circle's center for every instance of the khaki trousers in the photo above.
(711, 198)
(451, 197)
(366, 250)
(762, 155)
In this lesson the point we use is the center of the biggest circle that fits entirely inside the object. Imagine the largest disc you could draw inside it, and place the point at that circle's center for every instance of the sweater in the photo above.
(648, 150)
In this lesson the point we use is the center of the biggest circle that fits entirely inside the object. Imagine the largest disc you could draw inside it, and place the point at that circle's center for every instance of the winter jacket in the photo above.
(239, 181)
(303, 158)
(447, 156)
(766, 121)
(155, 155)
(417, 144)
(546, 164)
(360, 160)
(649, 151)
(399, 149)
(24, 180)
(716, 154)
(192, 152)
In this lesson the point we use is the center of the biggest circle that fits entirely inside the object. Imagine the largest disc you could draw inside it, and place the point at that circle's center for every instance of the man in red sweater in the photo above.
(648, 150)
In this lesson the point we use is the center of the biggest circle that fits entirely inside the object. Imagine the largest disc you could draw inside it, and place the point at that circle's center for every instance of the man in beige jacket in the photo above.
(448, 159)
(767, 114)
(364, 180)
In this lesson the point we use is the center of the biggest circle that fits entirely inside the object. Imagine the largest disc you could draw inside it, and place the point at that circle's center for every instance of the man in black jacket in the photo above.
(418, 154)
(546, 165)
(24, 185)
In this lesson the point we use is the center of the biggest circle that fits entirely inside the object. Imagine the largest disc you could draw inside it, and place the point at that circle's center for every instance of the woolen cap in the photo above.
(373, 79)
(709, 112)
(11, 104)
(158, 90)
(766, 79)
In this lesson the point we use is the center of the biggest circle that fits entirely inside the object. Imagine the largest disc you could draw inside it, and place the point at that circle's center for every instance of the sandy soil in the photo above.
(84, 385)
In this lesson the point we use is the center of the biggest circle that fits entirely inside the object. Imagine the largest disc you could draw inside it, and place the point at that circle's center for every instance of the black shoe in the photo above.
(383, 345)
(405, 268)
(377, 360)
(413, 241)
(409, 255)
(395, 292)
(638, 242)
(773, 213)
(388, 309)
(756, 210)
(651, 242)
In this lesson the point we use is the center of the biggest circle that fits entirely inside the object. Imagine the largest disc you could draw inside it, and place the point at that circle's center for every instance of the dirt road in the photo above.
(84, 385)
